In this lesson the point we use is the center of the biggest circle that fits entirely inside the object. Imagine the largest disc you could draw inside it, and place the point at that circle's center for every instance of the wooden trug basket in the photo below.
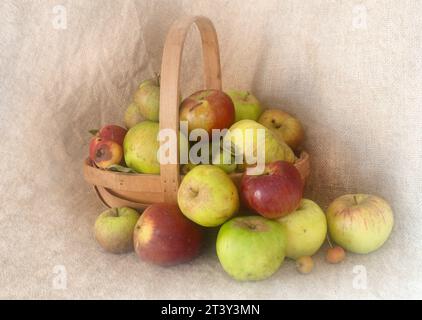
(117, 189)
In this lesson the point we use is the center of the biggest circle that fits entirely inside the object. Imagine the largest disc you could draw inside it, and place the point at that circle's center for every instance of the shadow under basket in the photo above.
(117, 189)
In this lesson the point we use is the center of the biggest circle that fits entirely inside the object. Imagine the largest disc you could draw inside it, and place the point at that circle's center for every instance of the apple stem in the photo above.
(356, 201)
(329, 242)
(158, 78)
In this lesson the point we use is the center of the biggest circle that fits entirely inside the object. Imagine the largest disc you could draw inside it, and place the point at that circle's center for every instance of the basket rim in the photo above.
(143, 182)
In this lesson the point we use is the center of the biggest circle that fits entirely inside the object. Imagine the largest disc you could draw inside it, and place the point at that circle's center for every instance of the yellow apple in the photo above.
(306, 229)
(244, 140)
(284, 126)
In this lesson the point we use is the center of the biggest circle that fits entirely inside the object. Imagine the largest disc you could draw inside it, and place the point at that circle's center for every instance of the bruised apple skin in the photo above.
(274, 194)
(107, 153)
(208, 109)
(164, 236)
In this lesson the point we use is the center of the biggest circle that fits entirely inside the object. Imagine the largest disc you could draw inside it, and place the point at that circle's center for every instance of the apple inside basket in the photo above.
(117, 189)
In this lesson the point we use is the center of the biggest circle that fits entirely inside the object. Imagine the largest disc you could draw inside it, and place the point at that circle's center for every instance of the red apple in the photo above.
(275, 193)
(164, 236)
(113, 133)
(208, 109)
(107, 153)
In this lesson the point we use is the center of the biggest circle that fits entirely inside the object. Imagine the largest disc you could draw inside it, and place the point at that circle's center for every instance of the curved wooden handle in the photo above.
(169, 86)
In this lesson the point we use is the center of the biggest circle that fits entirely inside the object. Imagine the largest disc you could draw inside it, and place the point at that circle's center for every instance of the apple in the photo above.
(141, 146)
(360, 223)
(107, 153)
(306, 229)
(164, 236)
(132, 115)
(113, 133)
(245, 104)
(207, 109)
(110, 132)
(208, 196)
(304, 264)
(251, 248)
(275, 193)
(185, 168)
(219, 160)
(147, 98)
(114, 229)
(243, 138)
(284, 126)
(335, 255)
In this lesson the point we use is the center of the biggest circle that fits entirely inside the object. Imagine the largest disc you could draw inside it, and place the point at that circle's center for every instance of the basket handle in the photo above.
(169, 86)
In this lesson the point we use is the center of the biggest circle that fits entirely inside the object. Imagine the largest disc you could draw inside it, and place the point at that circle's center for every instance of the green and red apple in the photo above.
(147, 98)
(208, 196)
(246, 105)
(114, 229)
(207, 109)
(251, 248)
(360, 223)
(306, 229)
(106, 147)
(164, 236)
(275, 193)
(284, 126)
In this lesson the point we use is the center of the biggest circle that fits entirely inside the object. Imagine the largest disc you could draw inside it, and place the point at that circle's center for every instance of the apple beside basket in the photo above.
(117, 189)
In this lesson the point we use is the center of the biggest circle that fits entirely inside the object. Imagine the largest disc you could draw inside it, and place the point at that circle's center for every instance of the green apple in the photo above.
(147, 98)
(132, 115)
(141, 145)
(114, 229)
(244, 140)
(219, 158)
(284, 126)
(208, 196)
(306, 229)
(246, 105)
(360, 223)
(251, 248)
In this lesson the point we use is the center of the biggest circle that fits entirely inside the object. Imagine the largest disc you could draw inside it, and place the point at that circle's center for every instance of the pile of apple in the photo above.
(261, 222)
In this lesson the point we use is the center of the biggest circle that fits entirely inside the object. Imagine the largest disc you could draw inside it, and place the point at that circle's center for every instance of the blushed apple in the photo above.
(208, 196)
(147, 98)
(207, 109)
(246, 105)
(284, 126)
(251, 248)
(164, 236)
(306, 229)
(360, 223)
(107, 153)
(274, 194)
(114, 229)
